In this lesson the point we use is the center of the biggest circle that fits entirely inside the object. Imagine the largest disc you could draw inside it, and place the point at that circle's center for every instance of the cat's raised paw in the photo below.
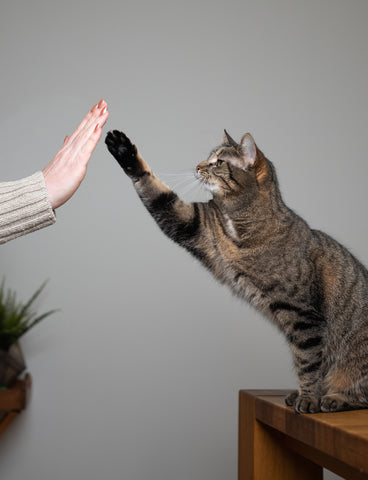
(304, 404)
(123, 150)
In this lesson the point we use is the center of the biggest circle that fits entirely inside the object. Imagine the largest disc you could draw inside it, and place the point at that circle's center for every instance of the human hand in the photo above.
(65, 172)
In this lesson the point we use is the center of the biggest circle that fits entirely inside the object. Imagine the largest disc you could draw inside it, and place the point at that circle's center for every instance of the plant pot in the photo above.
(12, 364)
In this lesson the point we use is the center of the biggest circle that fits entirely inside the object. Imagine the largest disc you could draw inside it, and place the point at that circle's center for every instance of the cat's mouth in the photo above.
(205, 180)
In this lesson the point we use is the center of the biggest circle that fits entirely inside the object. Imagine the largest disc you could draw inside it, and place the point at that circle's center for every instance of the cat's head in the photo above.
(234, 168)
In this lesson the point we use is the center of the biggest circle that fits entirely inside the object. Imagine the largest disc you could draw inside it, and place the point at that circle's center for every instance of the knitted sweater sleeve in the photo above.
(24, 207)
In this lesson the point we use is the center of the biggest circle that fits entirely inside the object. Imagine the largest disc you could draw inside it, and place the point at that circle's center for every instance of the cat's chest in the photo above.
(258, 275)
(242, 271)
(230, 228)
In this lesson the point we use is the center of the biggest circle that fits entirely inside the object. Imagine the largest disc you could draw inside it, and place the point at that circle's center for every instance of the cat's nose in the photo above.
(201, 166)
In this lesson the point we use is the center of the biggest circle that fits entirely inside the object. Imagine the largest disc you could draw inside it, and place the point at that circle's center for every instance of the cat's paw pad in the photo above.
(305, 404)
(333, 403)
(291, 398)
(123, 150)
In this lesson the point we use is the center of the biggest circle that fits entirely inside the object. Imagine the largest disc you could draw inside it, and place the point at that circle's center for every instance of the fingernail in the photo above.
(103, 111)
(97, 127)
(100, 103)
(94, 107)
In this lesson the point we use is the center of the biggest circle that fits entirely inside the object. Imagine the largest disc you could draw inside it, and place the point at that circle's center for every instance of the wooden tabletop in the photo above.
(337, 441)
(340, 434)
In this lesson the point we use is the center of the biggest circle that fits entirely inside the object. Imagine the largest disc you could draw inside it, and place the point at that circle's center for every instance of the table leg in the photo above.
(262, 453)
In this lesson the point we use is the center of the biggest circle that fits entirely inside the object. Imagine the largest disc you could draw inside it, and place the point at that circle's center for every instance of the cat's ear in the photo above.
(249, 149)
(254, 158)
(227, 140)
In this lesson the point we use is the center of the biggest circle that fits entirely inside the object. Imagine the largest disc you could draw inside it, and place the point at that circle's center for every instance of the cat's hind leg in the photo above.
(336, 402)
(343, 393)
(354, 399)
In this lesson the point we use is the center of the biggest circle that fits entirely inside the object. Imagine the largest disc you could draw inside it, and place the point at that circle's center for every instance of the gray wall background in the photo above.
(137, 377)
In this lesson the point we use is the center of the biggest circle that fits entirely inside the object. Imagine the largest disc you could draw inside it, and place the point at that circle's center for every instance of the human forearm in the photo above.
(24, 207)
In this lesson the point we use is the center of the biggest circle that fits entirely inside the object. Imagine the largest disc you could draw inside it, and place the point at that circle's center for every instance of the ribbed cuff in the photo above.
(24, 207)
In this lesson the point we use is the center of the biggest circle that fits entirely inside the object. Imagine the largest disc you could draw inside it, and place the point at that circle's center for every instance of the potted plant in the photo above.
(16, 318)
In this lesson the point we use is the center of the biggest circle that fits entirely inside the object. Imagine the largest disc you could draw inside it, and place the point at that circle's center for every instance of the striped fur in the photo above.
(305, 282)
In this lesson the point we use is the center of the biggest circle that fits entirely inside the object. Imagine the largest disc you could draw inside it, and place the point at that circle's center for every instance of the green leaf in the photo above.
(16, 318)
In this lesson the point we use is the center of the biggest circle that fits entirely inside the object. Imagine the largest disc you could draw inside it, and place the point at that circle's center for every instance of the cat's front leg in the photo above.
(303, 328)
(291, 398)
(304, 401)
(179, 220)
(307, 360)
(126, 154)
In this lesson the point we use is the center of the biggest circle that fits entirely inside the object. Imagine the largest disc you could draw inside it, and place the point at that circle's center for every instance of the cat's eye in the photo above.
(219, 162)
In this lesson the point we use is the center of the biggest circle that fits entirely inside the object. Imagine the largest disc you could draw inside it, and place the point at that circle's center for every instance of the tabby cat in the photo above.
(309, 285)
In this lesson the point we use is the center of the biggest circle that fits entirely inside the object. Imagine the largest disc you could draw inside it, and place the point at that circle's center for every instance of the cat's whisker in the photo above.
(183, 172)
(200, 184)
(176, 180)
(186, 179)
(193, 184)
(179, 175)
(183, 187)
(187, 184)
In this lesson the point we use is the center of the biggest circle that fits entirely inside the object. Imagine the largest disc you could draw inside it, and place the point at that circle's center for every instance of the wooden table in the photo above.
(13, 400)
(275, 443)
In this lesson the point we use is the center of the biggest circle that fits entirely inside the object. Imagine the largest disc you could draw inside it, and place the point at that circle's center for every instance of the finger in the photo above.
(88, 130)
(95, 117)
(104, 115)
(97, 132)
(85, 140)
(90, 144)
(93, 126)
(91, 116)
